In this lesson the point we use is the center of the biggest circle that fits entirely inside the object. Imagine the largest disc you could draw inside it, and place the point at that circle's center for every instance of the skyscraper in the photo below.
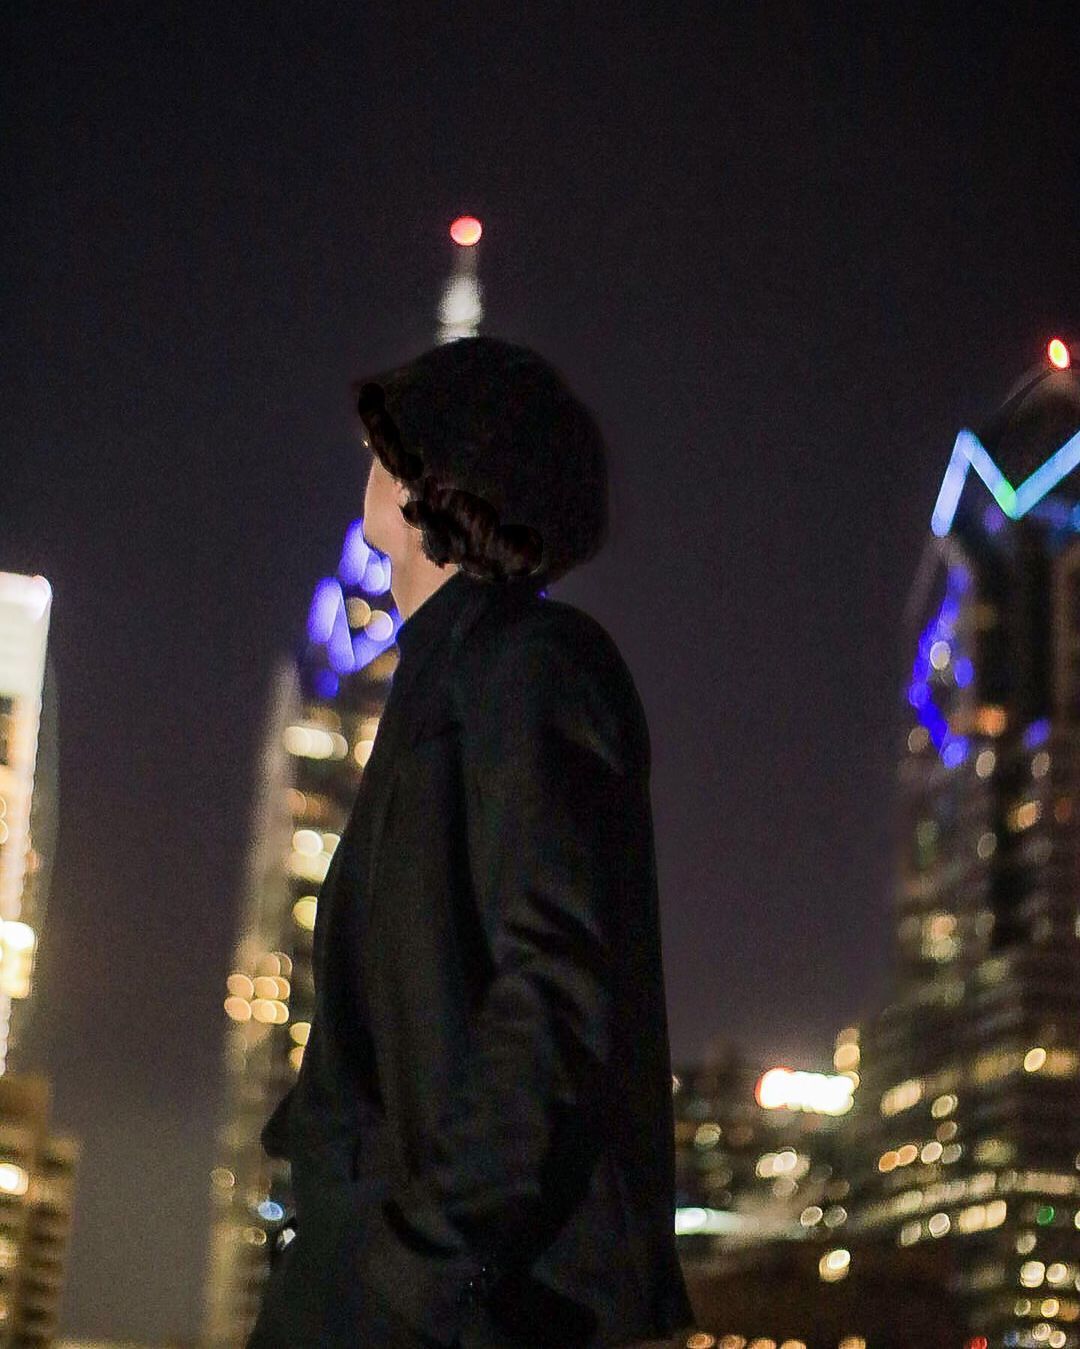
(37, 1166)
(320, 727)
(968, 1112)
(28, 790)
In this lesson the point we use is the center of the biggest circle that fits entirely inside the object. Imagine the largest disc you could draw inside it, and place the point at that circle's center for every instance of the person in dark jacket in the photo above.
(481, 1132)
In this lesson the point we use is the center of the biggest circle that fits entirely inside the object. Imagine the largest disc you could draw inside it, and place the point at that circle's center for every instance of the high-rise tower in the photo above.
(320, 728)
(27, 789)
(37, 1165)
(969, 1105)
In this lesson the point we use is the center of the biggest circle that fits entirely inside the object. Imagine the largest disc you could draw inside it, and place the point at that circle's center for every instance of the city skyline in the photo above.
(783, 287)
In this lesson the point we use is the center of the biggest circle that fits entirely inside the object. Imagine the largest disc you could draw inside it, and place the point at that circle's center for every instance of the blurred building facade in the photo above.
(257, 997)
(759, 1155)
(37, 1165)
(28, 792)
(37, 1194)
(966, 1131)
(320, 728)
(762, 1214)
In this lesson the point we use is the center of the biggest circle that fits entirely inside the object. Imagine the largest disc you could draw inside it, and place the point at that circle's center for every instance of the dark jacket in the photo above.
(490, 1029)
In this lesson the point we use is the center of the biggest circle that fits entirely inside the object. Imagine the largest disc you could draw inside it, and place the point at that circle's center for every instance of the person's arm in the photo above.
(548, 767)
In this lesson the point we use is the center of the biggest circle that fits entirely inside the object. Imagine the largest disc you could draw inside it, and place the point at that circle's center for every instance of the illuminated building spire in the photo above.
(461, 308)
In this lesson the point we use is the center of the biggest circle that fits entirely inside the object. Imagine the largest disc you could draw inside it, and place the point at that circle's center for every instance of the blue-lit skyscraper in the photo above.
(320, 724)
(968, 1111)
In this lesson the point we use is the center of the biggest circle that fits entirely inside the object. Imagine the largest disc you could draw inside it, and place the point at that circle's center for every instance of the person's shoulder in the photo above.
(548, 663)
(558, 625)
(554, 637)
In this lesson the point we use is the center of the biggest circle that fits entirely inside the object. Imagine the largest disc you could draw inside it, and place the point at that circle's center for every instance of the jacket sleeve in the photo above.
(549, 758)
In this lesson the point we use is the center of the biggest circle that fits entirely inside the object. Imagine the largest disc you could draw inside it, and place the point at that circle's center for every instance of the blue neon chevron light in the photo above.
(969, 452)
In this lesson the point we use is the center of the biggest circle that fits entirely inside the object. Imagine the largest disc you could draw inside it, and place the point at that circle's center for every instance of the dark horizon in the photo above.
(783, 260)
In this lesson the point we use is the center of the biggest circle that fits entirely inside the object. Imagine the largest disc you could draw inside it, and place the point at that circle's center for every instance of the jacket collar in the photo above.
(441, 624)
(432, 620)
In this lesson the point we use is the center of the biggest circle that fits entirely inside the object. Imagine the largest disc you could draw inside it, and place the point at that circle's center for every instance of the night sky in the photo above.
(784, 258)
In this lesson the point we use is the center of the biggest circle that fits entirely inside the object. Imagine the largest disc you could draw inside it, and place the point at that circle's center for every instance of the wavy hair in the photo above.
(456, 525)
(499, 417)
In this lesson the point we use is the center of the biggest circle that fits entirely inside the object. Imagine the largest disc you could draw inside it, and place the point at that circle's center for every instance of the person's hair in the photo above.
(497, 416)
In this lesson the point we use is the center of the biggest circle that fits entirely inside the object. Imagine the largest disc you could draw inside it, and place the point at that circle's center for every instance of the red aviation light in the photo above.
(466, 230)
(1057, 353)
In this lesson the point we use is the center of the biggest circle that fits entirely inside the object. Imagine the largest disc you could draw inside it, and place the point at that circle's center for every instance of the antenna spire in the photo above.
(461, 308)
